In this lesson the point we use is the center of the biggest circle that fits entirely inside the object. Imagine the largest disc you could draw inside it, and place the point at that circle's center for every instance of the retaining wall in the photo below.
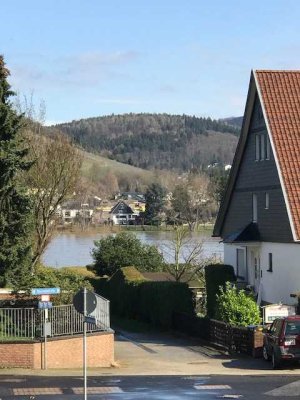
(62, 352)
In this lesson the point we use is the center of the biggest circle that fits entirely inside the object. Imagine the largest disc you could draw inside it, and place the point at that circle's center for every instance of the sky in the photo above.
(87, 58)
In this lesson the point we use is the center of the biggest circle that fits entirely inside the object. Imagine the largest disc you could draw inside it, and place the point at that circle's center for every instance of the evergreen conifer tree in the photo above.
(15, 203)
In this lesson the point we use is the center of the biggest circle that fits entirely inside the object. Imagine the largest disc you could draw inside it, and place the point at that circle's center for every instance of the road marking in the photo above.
(212, 387)
(36, 391)
(98, 390)
(196, 378)
(231, 396)
(56, 390)
(291, 389)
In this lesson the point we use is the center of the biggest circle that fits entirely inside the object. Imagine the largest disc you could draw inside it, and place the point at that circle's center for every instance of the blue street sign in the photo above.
(45, 304)
(40, 291)
(90, 320)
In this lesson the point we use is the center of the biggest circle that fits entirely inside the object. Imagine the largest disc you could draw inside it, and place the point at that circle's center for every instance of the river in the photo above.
(70, 249)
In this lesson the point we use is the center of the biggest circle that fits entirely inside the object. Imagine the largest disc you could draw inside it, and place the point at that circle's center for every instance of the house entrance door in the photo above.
(256, 269)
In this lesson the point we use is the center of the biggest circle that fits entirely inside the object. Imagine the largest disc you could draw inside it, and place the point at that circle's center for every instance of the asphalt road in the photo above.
(151, 387)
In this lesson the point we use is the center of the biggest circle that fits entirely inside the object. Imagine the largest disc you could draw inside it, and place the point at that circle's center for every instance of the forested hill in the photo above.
(233, 121)
(163, 141)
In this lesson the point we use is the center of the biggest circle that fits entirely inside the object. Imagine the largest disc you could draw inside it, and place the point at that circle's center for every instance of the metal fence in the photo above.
(18, 323)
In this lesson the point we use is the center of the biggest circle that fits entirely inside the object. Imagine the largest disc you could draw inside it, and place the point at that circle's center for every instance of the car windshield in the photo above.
(292, 328)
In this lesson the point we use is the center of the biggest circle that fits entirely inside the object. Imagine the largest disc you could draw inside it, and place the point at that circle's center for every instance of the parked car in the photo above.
(282, 341)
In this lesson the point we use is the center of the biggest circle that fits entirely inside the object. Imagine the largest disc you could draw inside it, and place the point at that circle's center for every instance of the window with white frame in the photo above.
(268, 148)
(254, 207)
(262, 147)
(257, 147)
(267, 201)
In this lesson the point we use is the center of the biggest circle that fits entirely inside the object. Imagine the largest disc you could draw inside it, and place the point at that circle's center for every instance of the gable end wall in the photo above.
(258, 177)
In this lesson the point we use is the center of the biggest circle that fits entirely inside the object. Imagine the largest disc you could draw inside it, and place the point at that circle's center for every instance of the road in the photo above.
(160, 367)
(151, 387)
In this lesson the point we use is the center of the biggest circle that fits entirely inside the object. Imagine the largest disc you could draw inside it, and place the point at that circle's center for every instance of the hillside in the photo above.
(156, 141)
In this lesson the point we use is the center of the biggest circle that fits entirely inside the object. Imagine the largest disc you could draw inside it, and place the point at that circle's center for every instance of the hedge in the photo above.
(216, 275)
(132, 296)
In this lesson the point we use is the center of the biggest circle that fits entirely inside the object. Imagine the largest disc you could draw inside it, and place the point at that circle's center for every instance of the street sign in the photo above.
(91, 302)
(45, 297)
(40, 291)
(45, 305)
(90, 320)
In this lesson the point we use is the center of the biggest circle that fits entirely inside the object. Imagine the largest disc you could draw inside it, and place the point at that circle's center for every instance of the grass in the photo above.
(15, 339)
(105, 165)
(82, 271)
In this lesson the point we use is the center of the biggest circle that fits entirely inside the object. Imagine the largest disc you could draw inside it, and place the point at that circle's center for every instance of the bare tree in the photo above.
(54, 174)
(190, 199)
(185, 255)
(52, 180)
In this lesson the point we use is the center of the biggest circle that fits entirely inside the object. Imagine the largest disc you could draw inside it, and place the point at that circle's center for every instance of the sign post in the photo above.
(85, 303)
(45, 304)
(45, 337)
(84, 345)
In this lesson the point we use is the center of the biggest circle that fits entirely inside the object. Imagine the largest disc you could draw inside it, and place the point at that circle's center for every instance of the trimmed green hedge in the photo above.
(216, 275)
(132, 296)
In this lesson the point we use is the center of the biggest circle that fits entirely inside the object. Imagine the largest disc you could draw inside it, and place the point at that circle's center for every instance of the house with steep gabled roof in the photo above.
(122, 214)
(259, 216)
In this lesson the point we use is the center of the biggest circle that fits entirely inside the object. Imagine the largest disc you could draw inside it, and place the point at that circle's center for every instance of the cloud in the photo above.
(79, 70)
(120, 101)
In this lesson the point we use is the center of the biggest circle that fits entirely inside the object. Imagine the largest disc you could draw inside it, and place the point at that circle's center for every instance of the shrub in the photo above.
(236, 307)
(216, 276)
(159, 300)
(122, 250)
(69, 281)
(123, 292)
(132, 296)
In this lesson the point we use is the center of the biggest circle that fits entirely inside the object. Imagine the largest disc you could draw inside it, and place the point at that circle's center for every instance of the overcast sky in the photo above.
(89, 58)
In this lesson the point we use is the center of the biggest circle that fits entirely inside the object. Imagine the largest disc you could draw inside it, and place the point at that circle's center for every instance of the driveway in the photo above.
(155, 354)
(167, 354)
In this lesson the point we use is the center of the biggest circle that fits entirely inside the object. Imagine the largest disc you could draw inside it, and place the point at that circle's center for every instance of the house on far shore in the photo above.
(74, 210)
(122, 214)
(259, 217)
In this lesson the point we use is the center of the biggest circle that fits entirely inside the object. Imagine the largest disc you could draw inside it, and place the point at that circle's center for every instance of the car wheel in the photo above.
(275, 361)
(266, 356)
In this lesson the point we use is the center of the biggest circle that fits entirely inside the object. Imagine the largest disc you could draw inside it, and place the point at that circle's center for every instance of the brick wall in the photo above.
(62, 352)
(16, 355)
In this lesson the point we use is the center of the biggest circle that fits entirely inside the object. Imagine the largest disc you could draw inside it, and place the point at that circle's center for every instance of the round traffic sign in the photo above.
(90, 302)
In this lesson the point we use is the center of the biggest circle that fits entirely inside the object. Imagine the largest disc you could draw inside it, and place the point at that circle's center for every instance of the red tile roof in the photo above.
(280, 97)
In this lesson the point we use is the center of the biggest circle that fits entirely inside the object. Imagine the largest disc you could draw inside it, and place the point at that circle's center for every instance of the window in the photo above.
(257, 147)
(267, 148)
(267, 201)
(262, 147)
(270, 266)
(254, 207)
(241, 263)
